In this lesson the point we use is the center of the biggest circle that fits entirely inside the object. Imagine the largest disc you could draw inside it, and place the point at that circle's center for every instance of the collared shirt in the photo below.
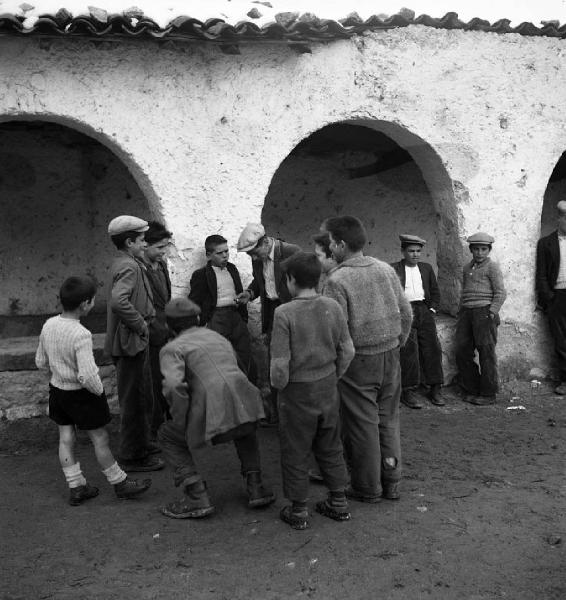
(225, 290)
(414, 284)
(269, 274)
(561, 279)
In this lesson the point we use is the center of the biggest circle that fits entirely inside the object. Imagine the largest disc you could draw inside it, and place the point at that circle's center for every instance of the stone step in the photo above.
(18, 353)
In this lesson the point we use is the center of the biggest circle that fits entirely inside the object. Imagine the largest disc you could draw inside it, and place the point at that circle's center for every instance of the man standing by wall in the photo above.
(551, 288)
(422, 350)
(269, 283)
(379, 319)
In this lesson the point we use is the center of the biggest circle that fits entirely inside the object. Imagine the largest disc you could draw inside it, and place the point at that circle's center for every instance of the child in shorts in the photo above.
(76, 394)
(310, 349)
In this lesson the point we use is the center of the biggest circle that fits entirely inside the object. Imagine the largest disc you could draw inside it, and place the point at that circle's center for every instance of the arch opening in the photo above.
(383, 174)
(555, 191)
(59, 189)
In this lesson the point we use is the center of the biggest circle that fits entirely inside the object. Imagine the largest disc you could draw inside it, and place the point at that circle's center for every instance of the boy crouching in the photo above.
(311, 348)
(211, 401)
(76, 394)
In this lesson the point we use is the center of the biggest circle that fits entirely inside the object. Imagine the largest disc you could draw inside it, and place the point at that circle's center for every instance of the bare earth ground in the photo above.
(481, 517)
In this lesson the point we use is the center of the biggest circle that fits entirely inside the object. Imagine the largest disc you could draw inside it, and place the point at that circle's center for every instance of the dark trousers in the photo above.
(309, 423)
(178, 454)
(228, 322)
(477, 330)
(160, 410)
(556, 313)
(369, 402)
(422, 350)
(135, 396)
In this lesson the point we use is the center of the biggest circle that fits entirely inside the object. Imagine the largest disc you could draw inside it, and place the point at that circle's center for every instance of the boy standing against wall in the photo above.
(129, 312)
(483, 294)
(422, 350)
(76, 394)
(310, 349)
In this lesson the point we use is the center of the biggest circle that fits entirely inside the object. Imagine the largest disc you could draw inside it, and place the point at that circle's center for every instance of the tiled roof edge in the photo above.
(288, 27)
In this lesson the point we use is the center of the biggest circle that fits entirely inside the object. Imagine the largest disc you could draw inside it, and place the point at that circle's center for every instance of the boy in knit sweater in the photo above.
(76, 394)
(310, 349)
(379, 318)
(483, 294)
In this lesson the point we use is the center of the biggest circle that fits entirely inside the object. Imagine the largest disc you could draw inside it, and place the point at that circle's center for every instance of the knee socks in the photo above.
(74, 475)
(114, 474)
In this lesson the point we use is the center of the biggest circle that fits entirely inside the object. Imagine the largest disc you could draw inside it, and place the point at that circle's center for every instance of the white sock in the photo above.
(74, 475)
(114, 474)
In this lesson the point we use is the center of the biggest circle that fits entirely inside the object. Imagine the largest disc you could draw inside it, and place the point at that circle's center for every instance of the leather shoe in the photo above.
(149, 463)
(561, 389)
(411, 399)
(479, 400)
(436, 396)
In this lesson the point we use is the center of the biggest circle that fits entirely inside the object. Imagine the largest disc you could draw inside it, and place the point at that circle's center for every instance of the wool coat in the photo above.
(430, 285)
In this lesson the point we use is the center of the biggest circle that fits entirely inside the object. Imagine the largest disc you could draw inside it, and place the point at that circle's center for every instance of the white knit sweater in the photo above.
(65, 349)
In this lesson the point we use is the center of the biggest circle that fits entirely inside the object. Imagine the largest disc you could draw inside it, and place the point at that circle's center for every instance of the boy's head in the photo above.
(411, 248)
(347, 234)
(303, 271)
(181, 314)
(480, 246)
(217, 252)
(77, 292)
(158, 240)
(323, 252)
(127, 233)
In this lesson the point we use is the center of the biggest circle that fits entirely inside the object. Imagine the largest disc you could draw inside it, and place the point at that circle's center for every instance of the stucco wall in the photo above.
(203, 133)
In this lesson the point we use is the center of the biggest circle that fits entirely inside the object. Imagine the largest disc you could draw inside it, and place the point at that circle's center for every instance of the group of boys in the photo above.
(338, 361)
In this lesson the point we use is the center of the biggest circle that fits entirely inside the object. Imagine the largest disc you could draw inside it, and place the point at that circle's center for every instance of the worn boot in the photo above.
(436, 396)
(258, 493)
(130, 488)
(334, 507)
(195, 503)
(78, 495)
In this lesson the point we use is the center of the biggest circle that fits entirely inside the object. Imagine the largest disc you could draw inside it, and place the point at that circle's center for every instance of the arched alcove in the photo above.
(389, 178)
(59, 188)
(554, 193)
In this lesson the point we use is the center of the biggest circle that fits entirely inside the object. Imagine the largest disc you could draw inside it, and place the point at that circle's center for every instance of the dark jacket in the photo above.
(158, 330)
(548, 264)
(430, 285)
(129, 307)
(204, 291)
(257, 286)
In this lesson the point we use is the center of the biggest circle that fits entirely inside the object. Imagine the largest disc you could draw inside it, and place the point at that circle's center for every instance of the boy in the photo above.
(483, 293)
(211, 401)
(214, 288)
(422, 350)
(158, 240)
(129, 312)
(76, 395)
(310, 349)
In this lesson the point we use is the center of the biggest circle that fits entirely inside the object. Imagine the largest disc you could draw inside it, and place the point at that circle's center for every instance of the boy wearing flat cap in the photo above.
(129, 312)
(422, 352)
(211, 401)
(269, 283)
(483, 293)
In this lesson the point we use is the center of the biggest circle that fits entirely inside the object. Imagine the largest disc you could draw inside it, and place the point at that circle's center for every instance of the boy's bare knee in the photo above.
(66, 435)
(390, 462)
(99, 437)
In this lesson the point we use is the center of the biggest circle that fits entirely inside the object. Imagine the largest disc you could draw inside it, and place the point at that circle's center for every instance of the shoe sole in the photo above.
(134, 493)
(79, 501)
(326, 511)
(198, 513)
(261, 502)
(415, 406)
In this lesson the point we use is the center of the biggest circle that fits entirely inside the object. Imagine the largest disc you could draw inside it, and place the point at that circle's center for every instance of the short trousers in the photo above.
(80, 407)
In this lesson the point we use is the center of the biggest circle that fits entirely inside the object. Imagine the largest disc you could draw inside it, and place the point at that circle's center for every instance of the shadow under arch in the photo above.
(381, 172)
(60, 185)
(555, 192)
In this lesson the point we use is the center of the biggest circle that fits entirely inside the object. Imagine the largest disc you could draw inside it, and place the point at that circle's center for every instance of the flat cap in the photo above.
(250, 236)
(181, 307)
(407, 239)
(125, 223)
(481, 238)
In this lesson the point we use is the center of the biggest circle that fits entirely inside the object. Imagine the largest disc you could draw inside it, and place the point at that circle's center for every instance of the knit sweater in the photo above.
(378, 313)
(65, 349)
(483, 286)
(310, 341)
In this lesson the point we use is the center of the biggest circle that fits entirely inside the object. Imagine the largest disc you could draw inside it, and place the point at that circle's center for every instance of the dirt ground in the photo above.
(482, 516)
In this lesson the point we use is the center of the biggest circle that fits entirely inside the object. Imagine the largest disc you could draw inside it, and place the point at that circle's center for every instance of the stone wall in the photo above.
(204, 135)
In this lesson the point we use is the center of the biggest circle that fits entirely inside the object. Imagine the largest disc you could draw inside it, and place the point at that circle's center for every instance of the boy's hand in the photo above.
(243, 298)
